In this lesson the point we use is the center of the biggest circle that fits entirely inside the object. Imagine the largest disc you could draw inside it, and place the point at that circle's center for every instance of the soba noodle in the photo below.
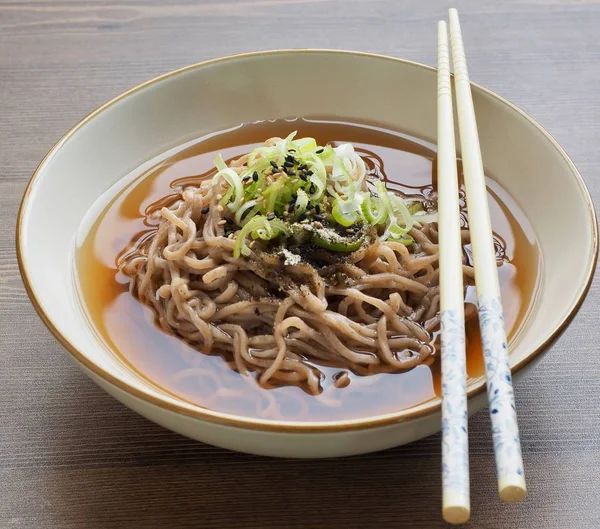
(371, 309)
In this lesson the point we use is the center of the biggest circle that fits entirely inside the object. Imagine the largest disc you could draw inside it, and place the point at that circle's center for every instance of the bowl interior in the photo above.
(224, 93)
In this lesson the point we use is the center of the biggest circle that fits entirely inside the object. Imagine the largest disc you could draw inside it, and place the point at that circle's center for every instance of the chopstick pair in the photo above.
(455, 451)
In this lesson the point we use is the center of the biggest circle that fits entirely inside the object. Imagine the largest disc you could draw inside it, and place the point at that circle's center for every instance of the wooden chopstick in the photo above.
(505, 431)
(456, 505)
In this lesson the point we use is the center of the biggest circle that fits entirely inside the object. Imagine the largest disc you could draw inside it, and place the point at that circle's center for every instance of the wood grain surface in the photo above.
(72, 457)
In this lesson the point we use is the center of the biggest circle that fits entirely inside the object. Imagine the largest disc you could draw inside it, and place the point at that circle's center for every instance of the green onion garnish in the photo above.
(297, 180)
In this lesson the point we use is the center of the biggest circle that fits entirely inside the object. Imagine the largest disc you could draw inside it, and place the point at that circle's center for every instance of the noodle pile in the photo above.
(371, 310)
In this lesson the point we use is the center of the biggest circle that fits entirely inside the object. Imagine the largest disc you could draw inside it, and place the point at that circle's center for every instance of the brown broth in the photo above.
(168, 363)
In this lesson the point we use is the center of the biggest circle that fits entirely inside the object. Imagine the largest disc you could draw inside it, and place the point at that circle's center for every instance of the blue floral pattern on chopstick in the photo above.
(503, 413)
(455, 444)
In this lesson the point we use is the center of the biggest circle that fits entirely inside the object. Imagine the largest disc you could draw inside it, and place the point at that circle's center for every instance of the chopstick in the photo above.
(503, 414)
(456, 506)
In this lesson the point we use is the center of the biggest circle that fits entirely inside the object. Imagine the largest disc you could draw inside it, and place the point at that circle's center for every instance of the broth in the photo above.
(128, 329)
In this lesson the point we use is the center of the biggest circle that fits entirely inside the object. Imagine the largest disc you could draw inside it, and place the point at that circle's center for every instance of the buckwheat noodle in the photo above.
(282, 326)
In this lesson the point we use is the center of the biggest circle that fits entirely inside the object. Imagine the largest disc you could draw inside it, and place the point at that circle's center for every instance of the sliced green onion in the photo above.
(374, 210)
(424, 218)
(284, 145)
(317, 166)
(327, 155)
(407, 240)
(262, 155)
(343, 218)
(301, 202)
(395, 206)
(227, 196)
(240, 220)
(319, 187)
(415, 207)
(270, 229)
(251, 189)
(240, 246)
(305, 144)
(351, 162)
(340, 168)
(352, 201)
(233, 179)
(399, 206)
(332, 241)
(271, 192)
(220, 163)
(258, 227)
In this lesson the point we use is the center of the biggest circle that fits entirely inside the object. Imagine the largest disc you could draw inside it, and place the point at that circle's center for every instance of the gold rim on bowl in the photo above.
(197, 412)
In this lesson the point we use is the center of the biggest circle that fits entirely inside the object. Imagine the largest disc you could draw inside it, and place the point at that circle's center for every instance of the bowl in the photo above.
(215, 95)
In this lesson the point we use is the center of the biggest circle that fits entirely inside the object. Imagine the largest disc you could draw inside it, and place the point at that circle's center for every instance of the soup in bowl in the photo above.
(257, 267)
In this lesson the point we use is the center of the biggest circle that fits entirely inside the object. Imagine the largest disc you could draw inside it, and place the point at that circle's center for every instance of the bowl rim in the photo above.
(204, 414)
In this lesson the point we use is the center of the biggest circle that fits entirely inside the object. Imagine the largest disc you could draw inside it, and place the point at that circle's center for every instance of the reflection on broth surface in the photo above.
(128, 327)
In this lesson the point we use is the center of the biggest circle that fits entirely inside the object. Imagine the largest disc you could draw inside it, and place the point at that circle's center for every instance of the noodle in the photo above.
(378, 306)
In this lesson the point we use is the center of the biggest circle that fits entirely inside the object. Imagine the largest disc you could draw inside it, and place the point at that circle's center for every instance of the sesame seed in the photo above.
(289, 158)
(319, 151)
(274, 164)
(205, 210)
(255, 176)
(349, 230)
(302, 217)
(318, 217)
(270, 216)
(219, 208)
(246, 178)
(229, 220)
(304, 221)
(303, 177)
(291, 207)
(303, 166)
(219, 196)
(288, 164)
(318, 208)
(309, 207)
(221, 223)
(312, 188)
(260, 199)
(291, 173)
(231, 236)
(317, 224)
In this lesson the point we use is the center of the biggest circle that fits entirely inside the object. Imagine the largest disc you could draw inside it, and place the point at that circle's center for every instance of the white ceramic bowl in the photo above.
(215, 95)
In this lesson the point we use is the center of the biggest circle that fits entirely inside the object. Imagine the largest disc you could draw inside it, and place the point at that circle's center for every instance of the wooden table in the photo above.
(72, 457)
